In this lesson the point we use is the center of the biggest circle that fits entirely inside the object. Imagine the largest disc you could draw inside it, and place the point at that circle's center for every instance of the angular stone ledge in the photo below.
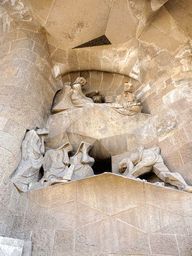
(112, 193)
(110, 214)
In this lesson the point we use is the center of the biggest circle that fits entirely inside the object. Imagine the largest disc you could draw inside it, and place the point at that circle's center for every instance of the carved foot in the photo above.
(188, 189)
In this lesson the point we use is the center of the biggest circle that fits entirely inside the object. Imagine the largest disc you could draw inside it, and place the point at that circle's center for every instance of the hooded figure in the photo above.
(27, 172)
(82, 162)
(78, 98)
(56, 164)
(63, 101)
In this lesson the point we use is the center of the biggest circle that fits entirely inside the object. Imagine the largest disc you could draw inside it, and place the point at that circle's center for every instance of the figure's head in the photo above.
(128, 87)
(66, 147)
(80, 80)
(84, 146)
(123, 165)
(82, 156)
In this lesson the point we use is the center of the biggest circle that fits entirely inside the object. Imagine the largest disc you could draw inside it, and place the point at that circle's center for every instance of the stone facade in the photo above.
(108, 215)
(41, 52)
(27, 90)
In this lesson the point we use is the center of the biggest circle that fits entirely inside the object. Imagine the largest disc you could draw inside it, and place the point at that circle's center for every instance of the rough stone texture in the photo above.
(109, 215)
(156, 54)
(100, 126)
(23, 77)
(117, 29)
(26, 92)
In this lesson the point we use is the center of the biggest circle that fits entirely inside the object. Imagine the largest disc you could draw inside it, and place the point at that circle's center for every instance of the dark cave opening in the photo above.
(102, 165)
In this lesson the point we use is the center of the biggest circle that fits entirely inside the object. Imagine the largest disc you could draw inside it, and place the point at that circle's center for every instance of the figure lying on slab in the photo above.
(149, 160)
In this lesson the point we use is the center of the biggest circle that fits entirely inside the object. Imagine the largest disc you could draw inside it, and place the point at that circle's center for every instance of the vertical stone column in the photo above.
(27, 88)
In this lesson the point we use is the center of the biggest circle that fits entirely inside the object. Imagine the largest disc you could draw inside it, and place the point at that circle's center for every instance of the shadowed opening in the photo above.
(102, 165)
(102, 40)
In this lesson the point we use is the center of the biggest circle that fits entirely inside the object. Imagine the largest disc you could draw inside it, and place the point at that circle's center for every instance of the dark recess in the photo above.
(102, 40)
(102, 165)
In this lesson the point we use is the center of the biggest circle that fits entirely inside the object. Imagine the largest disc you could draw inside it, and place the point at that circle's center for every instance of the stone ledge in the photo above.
(110, 183)
(110, 214)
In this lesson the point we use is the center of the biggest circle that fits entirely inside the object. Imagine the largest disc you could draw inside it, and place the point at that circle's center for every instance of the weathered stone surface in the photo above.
(114, 215)
(108, 206)
(154, 220)
(124, 28)
(54, 195)
(86, 214)
(98, 122)
(42, 241)
(77, 30)
(184, 245)
(151, 47)
(177, 205)
(169, 244)
(64, 241)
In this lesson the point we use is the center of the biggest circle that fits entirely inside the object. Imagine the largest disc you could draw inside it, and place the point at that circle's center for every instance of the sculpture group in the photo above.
(57, 166)
(73, 97)
(41, 167)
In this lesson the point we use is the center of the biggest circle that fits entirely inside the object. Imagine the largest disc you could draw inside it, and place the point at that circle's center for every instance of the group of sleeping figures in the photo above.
(41, 167)
(58, 167)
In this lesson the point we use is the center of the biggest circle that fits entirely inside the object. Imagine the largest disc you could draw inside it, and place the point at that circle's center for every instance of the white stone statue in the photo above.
(27, 172)
(127, 103)
(63, 100)
(56, 166)
(78, 98)
(82, 162)
(149, 160)
(69, 98)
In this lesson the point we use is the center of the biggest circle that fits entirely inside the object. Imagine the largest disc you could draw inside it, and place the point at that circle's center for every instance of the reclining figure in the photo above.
(149, 160)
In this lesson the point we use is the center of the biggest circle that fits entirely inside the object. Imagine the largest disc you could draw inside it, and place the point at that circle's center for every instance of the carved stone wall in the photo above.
(107, 215)
(26, 92)
(151, 46)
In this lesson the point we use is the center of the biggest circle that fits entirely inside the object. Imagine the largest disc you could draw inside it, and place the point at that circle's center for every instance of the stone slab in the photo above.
(109, 214)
